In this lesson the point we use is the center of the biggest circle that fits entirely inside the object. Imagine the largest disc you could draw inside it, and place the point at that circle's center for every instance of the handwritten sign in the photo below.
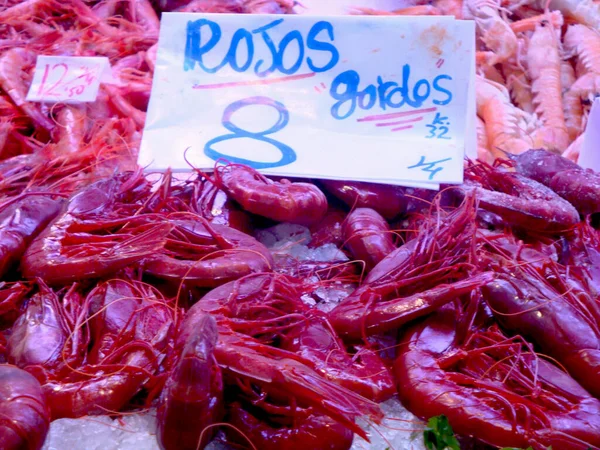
(67, 79)
(381, 99)
(589, 157)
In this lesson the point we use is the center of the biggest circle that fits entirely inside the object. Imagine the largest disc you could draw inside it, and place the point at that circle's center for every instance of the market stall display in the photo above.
(231, 309)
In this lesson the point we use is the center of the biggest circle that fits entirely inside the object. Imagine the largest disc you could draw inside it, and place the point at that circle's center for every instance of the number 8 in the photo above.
(288, 155)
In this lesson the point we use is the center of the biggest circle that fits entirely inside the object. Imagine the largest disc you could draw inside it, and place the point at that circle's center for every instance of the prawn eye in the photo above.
(544, 23)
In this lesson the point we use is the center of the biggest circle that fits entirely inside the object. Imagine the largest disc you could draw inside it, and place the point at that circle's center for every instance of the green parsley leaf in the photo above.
(439, 435)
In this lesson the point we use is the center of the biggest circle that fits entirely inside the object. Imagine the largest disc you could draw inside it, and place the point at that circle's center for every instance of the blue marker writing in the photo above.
(203, 35)
(429, 166)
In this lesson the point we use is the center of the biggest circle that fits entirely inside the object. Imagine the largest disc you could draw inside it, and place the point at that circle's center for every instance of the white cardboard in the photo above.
(67, 79)
(589, 157)
(183, 119)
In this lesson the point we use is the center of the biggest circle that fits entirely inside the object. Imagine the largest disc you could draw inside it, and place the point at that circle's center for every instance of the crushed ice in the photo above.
(129, 432)
(286, 239)
(400, 430)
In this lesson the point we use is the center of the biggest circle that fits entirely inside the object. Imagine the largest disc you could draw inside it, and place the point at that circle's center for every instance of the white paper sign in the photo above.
(589, 157)
(67, 79)
(382, 99)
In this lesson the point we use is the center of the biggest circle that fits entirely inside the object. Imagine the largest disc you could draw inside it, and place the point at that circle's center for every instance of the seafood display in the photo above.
(122, 291)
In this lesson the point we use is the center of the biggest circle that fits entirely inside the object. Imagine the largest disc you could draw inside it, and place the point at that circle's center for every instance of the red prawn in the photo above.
(23, 410)
(368, 236)
(283, 201)
(492, 387)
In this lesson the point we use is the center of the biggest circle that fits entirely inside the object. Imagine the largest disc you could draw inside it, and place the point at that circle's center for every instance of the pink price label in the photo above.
(67, 79)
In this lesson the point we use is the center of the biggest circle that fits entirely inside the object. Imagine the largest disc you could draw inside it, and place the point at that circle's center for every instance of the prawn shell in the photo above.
(364, 373)
(423, 387)
(39, 335)
(312, 432)
(520, 201)
(20, 223)
(556, 326)
(193, 396)
(298, 203)
(387, 200)
(244, 255)
(581, 187)
(368, 236)
(25, 416)
(427, 388)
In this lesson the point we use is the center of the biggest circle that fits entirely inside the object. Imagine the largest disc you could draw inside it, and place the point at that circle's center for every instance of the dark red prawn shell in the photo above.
(581, 254)
(46, 335)
(492, 387)
(579, 186)
(328, 230)
(246, 360)
(283, 201)
(367, 235)
(12, 299)
(387, 200)
(281, 375)
(130, 329)
(124, 311)
(415, 279)
(553, 305)
(520, 201)
(206, 255)
(200, 196)
(214, 205)
(310, 431)
(25, 416)
(3, 344)
(269, 307)
(566, 330)
(21, 222)
(364, 373)
(100, 233)
(192, 400)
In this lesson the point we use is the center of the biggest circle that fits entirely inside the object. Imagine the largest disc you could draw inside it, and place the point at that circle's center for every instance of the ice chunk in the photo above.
(284, 234)
(329, 296)
(289, 240)
(400, 430)
(130, 432)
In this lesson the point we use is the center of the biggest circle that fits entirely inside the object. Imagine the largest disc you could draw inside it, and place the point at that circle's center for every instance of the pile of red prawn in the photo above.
(481, 302)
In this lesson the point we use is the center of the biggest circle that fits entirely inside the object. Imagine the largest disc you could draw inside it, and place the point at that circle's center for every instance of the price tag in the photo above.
(381, 99)
(67, 79)
(589, 157)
